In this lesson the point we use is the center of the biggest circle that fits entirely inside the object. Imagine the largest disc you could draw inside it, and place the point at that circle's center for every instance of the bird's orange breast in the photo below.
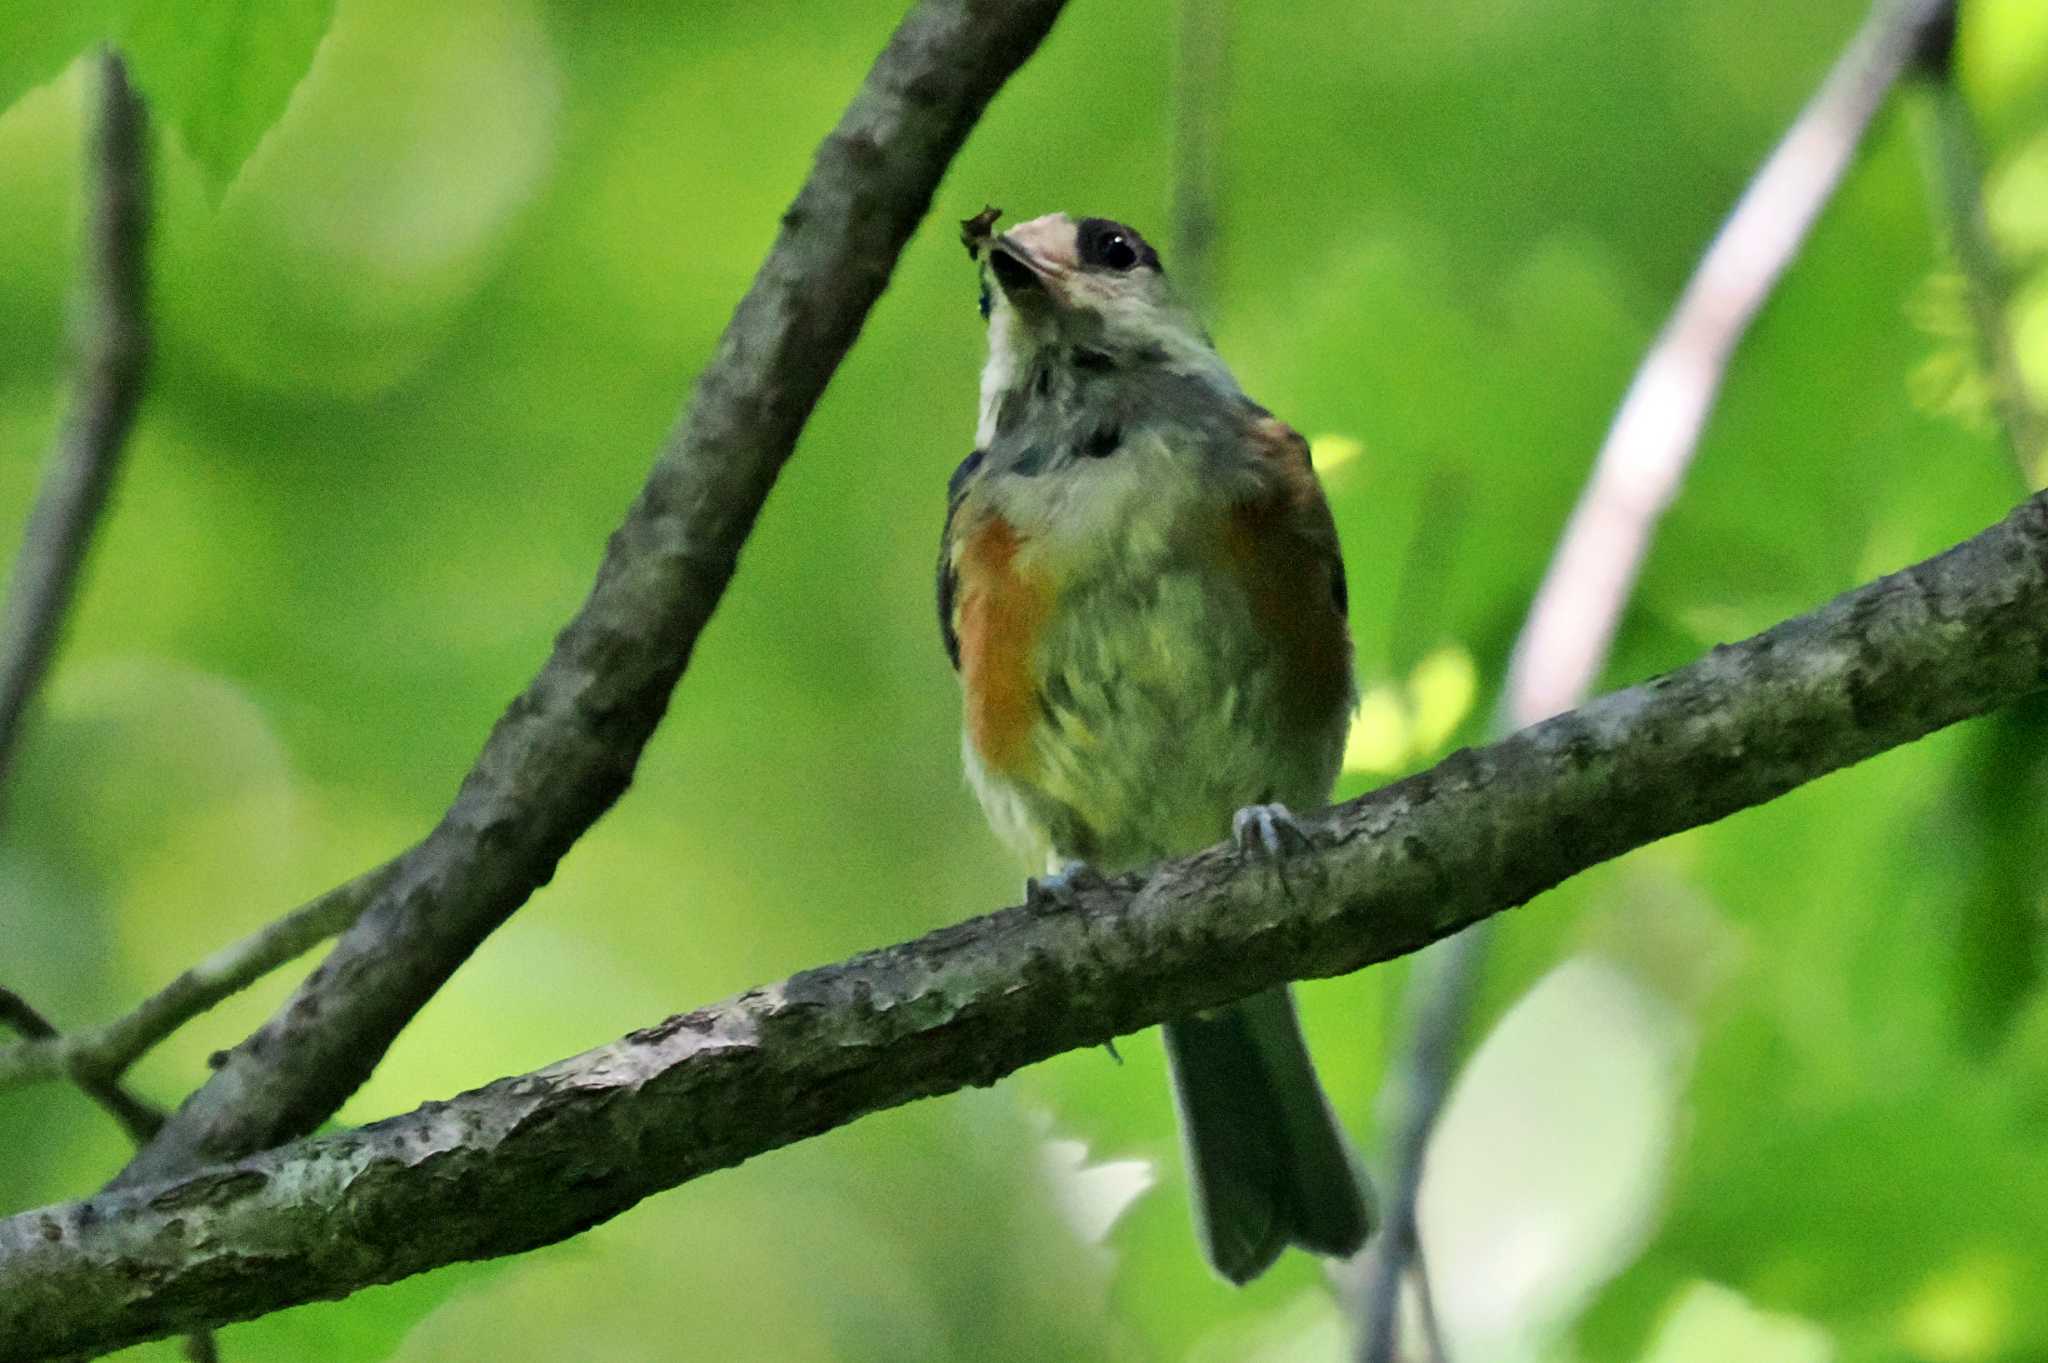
(1001, 613)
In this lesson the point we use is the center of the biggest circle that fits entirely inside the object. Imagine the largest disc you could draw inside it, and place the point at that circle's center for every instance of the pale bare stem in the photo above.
(1564, 642)
(112, 341)
(107, 1051)
(535, 1158)
(1643, 460)
(1956, 166)
(1201, 92)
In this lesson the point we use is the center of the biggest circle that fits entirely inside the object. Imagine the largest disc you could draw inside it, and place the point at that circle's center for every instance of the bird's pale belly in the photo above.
(1163, 707)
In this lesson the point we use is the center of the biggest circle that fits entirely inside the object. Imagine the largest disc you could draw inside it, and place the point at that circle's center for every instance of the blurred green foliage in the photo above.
(422, 317)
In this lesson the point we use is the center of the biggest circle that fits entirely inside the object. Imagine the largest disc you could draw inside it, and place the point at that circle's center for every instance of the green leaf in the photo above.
(219, 72)
(39, 39)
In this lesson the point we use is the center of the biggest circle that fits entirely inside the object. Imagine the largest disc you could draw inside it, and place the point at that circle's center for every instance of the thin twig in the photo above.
(106, 1052)
(112, 341)
(138, 1118)
(566, 748)
(1441, 993)
(1955, 163)
(534, 1158)
(1570, 627)
(1201, 79)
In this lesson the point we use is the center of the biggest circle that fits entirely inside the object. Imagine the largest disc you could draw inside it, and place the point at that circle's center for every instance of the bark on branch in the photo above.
(533, 1159)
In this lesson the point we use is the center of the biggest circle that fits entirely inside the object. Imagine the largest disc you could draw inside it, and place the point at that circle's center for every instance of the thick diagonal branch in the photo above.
(565, 749)
(534, 1159)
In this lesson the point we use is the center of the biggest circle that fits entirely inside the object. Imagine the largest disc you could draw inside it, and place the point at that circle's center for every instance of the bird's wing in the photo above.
(1303, 513)
(1286, 545)
(949, 570)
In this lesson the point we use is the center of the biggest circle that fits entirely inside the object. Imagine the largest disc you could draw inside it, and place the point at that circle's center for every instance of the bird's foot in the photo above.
(1058, 889)
(1271, 829)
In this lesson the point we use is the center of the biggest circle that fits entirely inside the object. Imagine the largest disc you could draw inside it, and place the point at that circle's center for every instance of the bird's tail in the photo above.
(1267, 1161)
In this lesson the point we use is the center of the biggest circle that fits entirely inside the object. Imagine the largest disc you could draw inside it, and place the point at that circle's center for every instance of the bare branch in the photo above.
(105, 1053)
(566, 748)
(1558, 656)
(113, 351)
(1564, 642)
(530, 1160)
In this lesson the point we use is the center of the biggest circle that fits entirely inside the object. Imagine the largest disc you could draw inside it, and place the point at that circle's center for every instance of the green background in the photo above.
(1775, 1090)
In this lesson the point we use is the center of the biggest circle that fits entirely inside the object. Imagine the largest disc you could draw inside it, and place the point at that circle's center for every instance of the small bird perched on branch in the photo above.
(1140, 586)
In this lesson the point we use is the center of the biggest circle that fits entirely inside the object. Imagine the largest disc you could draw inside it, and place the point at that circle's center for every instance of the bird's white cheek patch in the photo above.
(998, 374)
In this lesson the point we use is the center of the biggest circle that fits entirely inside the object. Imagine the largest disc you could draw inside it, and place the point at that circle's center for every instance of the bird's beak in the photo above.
(1021, 276)
(1032, 261)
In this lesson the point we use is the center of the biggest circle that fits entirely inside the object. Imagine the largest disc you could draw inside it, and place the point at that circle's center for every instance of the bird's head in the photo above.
(1082, 285)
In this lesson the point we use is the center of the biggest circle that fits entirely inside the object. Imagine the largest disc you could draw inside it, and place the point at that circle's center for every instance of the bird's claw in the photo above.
(1271, 829)
(1057, 889)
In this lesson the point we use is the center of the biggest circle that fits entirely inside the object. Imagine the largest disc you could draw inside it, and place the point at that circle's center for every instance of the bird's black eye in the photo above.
(1112, 246)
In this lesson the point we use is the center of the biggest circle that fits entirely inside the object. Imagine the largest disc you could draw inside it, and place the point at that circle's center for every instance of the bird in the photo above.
(1140, 587)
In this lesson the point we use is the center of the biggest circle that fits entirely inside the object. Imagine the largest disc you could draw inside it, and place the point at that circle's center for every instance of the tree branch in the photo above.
(565, 749)
(113, 351)
(533, 1159)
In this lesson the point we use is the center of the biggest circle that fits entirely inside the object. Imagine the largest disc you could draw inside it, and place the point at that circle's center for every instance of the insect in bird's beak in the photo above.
(976, 232)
